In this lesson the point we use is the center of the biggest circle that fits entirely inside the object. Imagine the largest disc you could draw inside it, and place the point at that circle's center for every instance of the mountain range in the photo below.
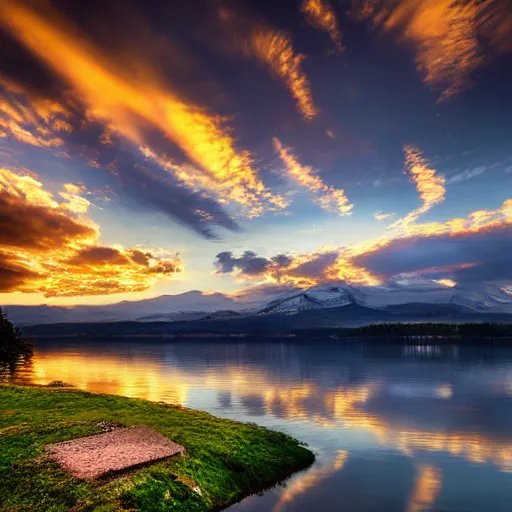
(332, 305)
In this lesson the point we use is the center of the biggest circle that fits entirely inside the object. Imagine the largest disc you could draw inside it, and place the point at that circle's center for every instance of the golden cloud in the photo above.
(429, 185)
(31, 119)
(51, 247)
(346, 268)
(447, 35)
(226, 190)
(308, 269)
(275, 49)
(320, 14)
(328, 198)
(129, 102)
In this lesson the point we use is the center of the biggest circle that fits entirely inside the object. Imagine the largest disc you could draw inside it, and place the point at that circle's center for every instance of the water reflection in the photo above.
(16, 368)
(395, 428)
(426, 489)
(311, 479)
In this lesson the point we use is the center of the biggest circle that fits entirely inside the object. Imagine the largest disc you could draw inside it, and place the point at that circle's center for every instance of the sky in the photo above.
(151, 148)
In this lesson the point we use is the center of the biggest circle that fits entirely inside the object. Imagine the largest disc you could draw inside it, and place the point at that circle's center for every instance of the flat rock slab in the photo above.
(93, 456)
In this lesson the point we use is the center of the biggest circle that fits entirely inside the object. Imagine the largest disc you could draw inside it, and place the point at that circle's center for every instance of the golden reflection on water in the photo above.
(309, 480)
(426, 489)
(307, 401)
(112, 375)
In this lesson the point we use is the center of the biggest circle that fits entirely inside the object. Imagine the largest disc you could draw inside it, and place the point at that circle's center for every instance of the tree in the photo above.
(12, 345)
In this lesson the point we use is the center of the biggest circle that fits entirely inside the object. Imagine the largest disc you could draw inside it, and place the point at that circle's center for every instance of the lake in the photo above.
(395, 428)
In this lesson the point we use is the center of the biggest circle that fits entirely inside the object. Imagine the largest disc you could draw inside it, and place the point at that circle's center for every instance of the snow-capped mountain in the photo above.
(318, 297)
(382, 297)
(192, 305)
(419, 299)
(163, 308)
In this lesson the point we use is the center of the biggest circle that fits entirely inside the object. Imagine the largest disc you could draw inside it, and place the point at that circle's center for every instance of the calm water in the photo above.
(394, 428)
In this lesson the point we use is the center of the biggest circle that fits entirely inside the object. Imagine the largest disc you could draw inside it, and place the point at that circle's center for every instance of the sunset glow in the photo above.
(281, 141)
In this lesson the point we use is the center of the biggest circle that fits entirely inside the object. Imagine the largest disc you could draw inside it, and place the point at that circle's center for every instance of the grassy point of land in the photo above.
(224, 460)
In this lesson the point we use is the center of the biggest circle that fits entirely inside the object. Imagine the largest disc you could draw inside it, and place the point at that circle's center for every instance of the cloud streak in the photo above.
(459, 249)
(129, 102)
(32, 120)
(447, 36)
(321, 15)
(59, 125)
(467, 250)
(275, 50)
(382, 216)
(327, 197)
(429, 185)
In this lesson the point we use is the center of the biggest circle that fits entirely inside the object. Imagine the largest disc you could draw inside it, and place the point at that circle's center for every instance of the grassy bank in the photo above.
(224, 459)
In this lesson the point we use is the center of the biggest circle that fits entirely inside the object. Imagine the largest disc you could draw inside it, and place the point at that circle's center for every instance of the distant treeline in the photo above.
(400, 330)
(270, 328)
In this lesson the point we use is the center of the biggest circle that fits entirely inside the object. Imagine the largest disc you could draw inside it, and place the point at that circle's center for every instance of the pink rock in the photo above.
(90, 457)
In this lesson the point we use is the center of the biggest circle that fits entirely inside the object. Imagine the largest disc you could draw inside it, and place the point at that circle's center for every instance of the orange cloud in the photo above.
(129, 102)
(446, 35)
(275, 49)
(321, 15)
(307, 269)
(226, 190)
(429, 185)
(346, 268)
(51, 247)
(449, 283)
(328, 198)
(347, 263)
(31, 119)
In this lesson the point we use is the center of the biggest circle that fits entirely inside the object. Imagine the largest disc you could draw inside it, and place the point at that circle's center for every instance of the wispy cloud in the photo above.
(129, 101)
(447, 35)
(53, 248)
(178, 190)
(275, 49)
(398, 248)
(327, 197)
(30, 119)
(429, 185)
(458, 176)
(321, 15)
(458, 249)
(466, 175)
(383, 216)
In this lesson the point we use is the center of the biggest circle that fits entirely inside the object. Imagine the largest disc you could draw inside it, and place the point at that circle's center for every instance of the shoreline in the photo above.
(483, 341)
(226, 460)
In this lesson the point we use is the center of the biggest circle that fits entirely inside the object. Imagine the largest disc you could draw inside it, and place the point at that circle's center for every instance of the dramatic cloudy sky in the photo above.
(159, 147)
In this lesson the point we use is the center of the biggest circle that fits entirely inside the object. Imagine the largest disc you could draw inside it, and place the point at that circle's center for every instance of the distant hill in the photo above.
(348, 316)
(330, 305)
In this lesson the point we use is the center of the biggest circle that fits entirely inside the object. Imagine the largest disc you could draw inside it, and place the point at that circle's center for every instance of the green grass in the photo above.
(225, 459)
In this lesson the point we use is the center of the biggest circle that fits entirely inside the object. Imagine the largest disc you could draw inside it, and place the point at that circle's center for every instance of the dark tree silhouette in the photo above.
(12, 344)
(390, 332)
